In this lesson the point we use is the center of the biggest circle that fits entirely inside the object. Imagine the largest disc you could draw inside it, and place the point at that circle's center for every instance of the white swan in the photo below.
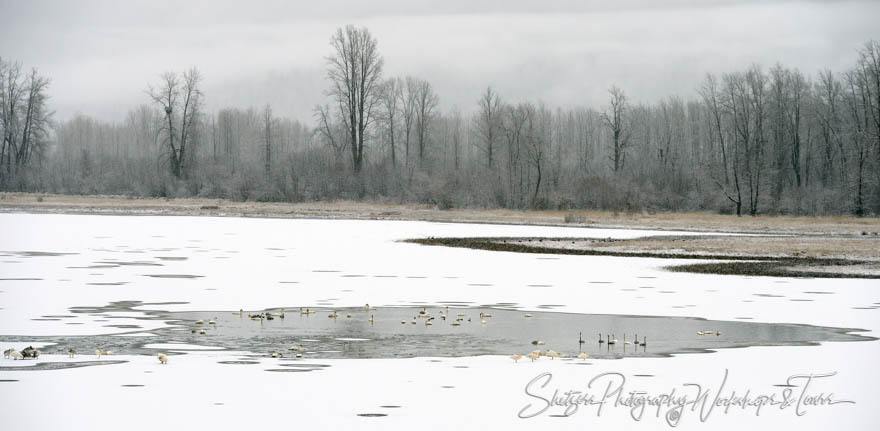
(516, 357)
(333, 315)
(99, 352)
(583, 356)
(163, 359)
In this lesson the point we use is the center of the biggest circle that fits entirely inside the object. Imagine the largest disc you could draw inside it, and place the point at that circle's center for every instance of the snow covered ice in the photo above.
(67, 276)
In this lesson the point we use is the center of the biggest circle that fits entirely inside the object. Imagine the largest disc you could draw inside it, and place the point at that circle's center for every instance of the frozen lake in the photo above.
(138, 285)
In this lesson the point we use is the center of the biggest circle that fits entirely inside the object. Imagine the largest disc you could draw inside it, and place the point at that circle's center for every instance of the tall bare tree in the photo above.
(355, 71)
(24, 119)
(426, 101)
(488, 121)
(180, 98)
(710, 95)
(537, 131)
(616, 119)
(390, 112)
(268, 122)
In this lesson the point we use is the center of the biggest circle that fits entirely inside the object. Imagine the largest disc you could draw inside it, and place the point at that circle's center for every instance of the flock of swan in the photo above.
(423, 315)
(610, 340)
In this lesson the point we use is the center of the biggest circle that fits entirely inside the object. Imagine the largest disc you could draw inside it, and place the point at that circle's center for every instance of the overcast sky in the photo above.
(101, 55)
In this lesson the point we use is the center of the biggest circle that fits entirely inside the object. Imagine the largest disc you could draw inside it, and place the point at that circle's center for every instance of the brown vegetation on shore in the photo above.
(685, 221)
(779, 256)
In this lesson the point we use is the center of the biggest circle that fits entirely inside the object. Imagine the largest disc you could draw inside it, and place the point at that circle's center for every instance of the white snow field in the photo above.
(227, 264)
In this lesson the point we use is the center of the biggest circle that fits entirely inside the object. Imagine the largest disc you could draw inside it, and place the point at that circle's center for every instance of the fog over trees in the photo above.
(765, 139)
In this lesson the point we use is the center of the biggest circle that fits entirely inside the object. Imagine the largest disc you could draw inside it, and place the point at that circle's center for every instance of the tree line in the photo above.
(752, 141)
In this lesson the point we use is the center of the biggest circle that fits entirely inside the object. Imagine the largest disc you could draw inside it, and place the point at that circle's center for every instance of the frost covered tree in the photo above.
(354, 70)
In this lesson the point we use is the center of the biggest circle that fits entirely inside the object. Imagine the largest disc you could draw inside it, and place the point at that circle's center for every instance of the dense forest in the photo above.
(754, 141)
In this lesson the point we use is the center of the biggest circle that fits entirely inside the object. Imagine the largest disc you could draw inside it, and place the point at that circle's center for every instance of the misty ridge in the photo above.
(764, 139)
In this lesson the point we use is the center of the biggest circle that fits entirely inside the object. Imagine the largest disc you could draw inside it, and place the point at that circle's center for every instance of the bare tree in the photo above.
(24, 119)
(740, 109)
(709, 93)
(328, 130)
(828, 93)
(355, 70)
(756, 82)
(538, 124)
(857, 104)
(513, 125)
(425, 103)
(268, 121)
(616, 119)
(800, 93)
(408, 105)
(390, 112)
(180, 99)
(488, 122)
(456, 136)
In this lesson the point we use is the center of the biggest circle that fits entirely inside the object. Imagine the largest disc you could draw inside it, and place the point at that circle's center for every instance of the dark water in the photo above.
(506, 332)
